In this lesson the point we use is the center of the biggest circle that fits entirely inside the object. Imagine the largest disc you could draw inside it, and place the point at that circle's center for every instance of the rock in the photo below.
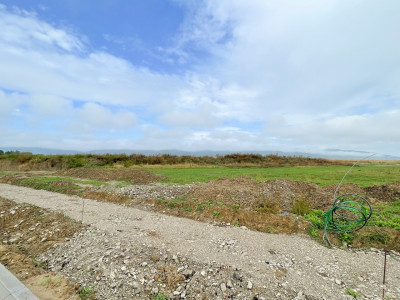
(223, 287)
(136, 285)
(249, 285)
(229, 284)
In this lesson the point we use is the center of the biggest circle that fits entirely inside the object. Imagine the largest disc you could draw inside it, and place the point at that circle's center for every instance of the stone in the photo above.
(223, 287)
(249, 285)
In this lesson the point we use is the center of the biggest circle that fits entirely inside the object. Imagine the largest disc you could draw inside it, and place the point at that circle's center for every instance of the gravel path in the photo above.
(293, 266)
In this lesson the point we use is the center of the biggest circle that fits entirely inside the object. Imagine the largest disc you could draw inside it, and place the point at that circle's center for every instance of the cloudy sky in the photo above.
(234, 75)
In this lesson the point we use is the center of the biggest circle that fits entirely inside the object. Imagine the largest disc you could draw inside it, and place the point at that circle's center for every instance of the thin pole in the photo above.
(384, 277)
(83, 207)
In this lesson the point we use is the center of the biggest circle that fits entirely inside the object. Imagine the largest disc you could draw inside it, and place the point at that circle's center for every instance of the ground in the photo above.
(135, 251)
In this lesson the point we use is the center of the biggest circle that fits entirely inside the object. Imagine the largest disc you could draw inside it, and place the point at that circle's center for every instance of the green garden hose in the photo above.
(349, 213)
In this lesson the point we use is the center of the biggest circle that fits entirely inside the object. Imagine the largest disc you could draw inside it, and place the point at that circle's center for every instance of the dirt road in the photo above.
(274, 265)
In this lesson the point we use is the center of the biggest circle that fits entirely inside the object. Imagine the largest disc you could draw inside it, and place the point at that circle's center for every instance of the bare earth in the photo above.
(265, 266)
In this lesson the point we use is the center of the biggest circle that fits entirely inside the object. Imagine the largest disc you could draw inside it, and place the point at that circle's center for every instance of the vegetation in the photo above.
(351, 292)
(385, 215)
(160, 297)
(86, 293)
(364, 176)
(266, 215)
(110, 160)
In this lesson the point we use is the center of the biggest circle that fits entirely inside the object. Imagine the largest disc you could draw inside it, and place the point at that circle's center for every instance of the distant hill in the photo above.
(328, 153)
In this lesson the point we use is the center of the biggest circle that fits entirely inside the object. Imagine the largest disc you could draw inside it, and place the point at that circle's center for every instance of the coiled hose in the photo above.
(349, 213)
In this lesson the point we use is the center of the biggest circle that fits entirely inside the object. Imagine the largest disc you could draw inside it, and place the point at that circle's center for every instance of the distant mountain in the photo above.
(327, 153)
(37, 150)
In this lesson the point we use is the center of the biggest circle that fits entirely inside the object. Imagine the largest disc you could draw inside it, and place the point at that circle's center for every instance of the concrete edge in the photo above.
(11, 288)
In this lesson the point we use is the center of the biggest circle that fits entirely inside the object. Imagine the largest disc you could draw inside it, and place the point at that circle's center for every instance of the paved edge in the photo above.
(11, 288)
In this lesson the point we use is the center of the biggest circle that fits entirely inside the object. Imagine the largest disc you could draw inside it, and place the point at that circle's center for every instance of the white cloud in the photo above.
(371, 132)
(8, 105)
(33, 63)
(92, 117)
(23, 29)
(202, 117)
(313, 74)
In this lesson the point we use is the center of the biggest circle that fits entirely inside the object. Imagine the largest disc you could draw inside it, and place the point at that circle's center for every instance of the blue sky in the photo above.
(194, 75)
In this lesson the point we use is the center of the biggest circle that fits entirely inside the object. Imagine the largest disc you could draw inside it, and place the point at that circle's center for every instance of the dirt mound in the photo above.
(242, 191)
(27, 231)
(386, 193)
(134, 176)
(251, 194)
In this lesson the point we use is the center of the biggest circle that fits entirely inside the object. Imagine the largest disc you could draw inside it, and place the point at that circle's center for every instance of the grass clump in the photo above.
(50, 281)
(301, 206)
(86, 293)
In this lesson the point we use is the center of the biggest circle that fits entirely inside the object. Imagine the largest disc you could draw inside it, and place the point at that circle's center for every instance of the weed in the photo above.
(219, 203)
(235, 206)
(316, 217)
(346, 237)
(272, 230)
(386, 215)
(216, 213)
(376, 237)
(237, 223)
(171, 205)
(314, 232)
(187, 208)
(200, 207)
(86, 293)
(208, 203)
(351, 292)
(37, 263)
(268, 207)
(301, 206)
(50, 282)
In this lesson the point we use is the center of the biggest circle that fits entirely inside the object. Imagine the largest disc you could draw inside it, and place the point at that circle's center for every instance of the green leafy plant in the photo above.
(86, 293)
(316, 217)
(351, 292)
(272, 230)
(346, 237)
(160, 297)
(314, 232)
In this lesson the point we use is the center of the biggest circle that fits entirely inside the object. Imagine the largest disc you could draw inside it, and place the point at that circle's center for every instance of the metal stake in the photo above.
(384, 277)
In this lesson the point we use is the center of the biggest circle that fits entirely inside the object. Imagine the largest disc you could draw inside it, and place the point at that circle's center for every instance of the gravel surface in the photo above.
(132, 254)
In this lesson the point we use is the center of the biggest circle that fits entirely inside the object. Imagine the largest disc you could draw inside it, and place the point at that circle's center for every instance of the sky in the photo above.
(310, 76)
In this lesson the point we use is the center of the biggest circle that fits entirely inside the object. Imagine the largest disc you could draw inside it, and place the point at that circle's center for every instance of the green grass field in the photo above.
(364, 176)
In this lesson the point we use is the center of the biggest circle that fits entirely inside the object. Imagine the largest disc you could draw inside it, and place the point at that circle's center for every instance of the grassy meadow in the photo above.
(364, 176)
